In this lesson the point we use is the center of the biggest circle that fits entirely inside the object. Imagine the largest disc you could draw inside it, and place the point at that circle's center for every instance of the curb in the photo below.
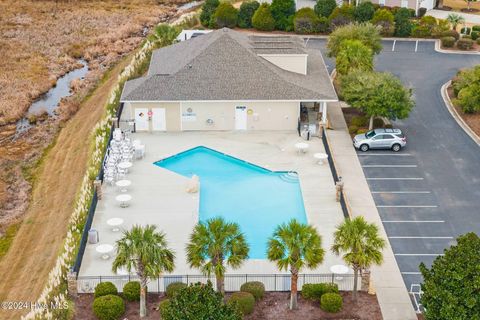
(456, 115)
(439, 49)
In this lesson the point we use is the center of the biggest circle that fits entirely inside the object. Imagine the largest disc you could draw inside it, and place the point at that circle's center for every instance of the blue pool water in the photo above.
(256, 198)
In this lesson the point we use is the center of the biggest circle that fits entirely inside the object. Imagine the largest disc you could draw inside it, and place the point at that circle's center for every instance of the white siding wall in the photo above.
(290, 62)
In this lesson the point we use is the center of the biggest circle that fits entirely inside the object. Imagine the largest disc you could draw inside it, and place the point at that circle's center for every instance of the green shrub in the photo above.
(466, 36)
(163, 305)
(360, 131)
(478, 41)
(305, 21)
(324, 8)
(448, 42)
(465, 30)
(247, 9)
(262, 18)
(256, 288)
(131, 291)
(449, 33)
(476, 28)
(226, 16)
(105, 288)
(331, 302)
(245, 301)
(403, 25)
(474, 35)
(359, 121)
(314, 291)
(109, 307)
(364, 12)
(352, 129)
(173, 288)
(347, 11)
(388, 126)
(283, 12)
(367, 33)
(425, 27)
(384, 18)
(208, 10)
(378, 123)
(465, 44)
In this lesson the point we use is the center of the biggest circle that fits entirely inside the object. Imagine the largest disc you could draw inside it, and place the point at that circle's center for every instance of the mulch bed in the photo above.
(472, 119)
(274, 306)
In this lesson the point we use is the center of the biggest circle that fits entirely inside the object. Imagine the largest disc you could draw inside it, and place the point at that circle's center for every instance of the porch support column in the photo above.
(324, 112)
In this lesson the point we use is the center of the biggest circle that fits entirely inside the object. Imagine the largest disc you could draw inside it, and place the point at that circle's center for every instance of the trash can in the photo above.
(92, 236)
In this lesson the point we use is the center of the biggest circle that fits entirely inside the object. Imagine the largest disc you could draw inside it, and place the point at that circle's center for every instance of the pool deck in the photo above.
(160, 197)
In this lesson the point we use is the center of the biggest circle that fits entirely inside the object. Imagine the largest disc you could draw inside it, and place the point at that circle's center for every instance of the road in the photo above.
(429, 193)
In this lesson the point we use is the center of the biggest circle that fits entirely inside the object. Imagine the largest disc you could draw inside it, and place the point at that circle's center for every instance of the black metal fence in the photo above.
(233, 282)
(335, 175)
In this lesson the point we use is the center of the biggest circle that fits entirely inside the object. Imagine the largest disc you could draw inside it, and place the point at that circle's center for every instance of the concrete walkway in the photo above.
(441, 14)
(391, 292)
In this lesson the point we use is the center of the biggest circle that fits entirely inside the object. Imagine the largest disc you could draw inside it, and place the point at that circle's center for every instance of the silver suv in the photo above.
(380, 139)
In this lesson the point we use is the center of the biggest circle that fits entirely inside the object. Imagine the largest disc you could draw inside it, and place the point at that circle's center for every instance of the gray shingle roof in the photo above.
(224, 65)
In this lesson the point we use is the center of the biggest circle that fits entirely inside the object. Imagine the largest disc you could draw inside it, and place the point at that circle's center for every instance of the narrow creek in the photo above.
(51, 99)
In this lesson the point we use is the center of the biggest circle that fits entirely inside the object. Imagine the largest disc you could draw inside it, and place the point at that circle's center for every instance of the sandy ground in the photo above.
(33, 253)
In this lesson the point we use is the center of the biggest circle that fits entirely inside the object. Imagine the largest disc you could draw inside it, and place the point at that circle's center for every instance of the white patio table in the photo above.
(321, 157)
(301, 147)
(339, 269)
(105, 250)
(124, 199)
(115, 223)
(123, 184)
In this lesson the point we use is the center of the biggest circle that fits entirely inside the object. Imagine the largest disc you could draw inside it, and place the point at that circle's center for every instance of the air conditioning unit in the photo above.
(210, 122)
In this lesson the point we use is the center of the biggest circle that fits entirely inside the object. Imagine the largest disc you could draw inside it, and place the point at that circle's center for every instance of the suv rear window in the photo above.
(370, 134)
(400, 135)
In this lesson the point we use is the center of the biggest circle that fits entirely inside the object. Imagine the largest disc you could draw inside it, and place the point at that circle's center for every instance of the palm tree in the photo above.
(360, 244)
(455, 19)
(145, 250)
(293, 246)
(215, 244)
(164, 35)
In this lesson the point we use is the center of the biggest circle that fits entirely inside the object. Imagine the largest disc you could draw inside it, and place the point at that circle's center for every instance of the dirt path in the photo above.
(24, 270)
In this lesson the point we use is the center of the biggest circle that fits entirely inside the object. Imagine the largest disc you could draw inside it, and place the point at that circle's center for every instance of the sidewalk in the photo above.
(441, 14)
(392, 295)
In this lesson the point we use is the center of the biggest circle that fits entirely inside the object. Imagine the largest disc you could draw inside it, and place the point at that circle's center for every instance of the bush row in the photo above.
(466, 89)
(108, 305)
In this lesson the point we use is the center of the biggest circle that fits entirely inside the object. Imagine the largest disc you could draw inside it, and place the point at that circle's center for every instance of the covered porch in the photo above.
(313, 116)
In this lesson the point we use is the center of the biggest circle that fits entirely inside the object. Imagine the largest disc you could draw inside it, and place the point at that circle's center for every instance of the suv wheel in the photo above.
(364, 147)
(396, 147)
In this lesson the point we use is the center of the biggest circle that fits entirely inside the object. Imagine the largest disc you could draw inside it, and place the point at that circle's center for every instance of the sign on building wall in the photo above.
(189, 115)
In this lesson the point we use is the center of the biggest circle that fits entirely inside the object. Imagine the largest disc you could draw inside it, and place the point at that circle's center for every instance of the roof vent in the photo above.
(189, 66)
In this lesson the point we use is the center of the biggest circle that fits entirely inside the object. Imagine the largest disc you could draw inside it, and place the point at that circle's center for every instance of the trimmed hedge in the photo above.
(465, 44)
(476, 28)
(314, 291)
(256, 288)
(448, 33)
(109, 307)
(474, 35)
(352, 129)
(173, 288)
(105, 288)
(244, 301)
(359, 121)
(262, 18)
(331, 302)
(245, 14)
(162, 306)
(226, 16)
(448, 42)
(131, 291)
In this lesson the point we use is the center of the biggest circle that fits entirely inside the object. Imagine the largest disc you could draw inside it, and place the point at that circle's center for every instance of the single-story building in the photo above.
(230, 80)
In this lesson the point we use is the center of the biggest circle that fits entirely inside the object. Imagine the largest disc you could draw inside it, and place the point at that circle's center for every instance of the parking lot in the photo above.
(409, 209)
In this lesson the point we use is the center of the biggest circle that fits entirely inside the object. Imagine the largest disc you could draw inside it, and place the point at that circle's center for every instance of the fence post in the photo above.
(115, 122)
(275, 285)
(97, 185)
(72, 287)
(365, 284)
(158, 285)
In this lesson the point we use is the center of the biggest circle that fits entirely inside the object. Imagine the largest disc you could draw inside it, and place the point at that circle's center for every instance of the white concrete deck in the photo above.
(159, 195)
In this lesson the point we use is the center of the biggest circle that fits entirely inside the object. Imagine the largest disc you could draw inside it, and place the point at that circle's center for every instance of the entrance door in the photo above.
(240, 118)
(141, 119)
(158, 119)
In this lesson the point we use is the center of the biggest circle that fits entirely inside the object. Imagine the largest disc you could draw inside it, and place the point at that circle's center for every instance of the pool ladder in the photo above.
(290, 176)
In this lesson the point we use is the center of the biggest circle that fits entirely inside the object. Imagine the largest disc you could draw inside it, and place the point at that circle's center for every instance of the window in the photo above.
(381, 2)
(404, 3)
(387, 137)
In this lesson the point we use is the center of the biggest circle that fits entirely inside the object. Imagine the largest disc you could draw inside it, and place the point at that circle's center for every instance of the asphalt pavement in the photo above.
(429, 193)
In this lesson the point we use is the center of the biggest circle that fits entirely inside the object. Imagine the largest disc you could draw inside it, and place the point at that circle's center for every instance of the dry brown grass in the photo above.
(33, 252)
(39, 41)
(458, 5)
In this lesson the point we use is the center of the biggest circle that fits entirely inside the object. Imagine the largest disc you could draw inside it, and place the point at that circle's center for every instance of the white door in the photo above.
(158, 119)
(141, 119)
(404, 3)
(240, 118)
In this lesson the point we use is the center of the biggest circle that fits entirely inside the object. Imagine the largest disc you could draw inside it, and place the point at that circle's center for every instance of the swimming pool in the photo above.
(254, 197)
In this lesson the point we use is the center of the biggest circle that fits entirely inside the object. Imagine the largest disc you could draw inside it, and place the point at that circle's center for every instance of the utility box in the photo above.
(92, 236)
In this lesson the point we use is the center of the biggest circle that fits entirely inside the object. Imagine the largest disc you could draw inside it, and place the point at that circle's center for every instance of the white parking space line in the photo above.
(385, 154)
(381, 206)
(419, 254)
(393, 46)
(405, 237)
(394, 178)
(413, 221)
(411, 273)
(402, 192)
(416, 46)
(389, 166)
